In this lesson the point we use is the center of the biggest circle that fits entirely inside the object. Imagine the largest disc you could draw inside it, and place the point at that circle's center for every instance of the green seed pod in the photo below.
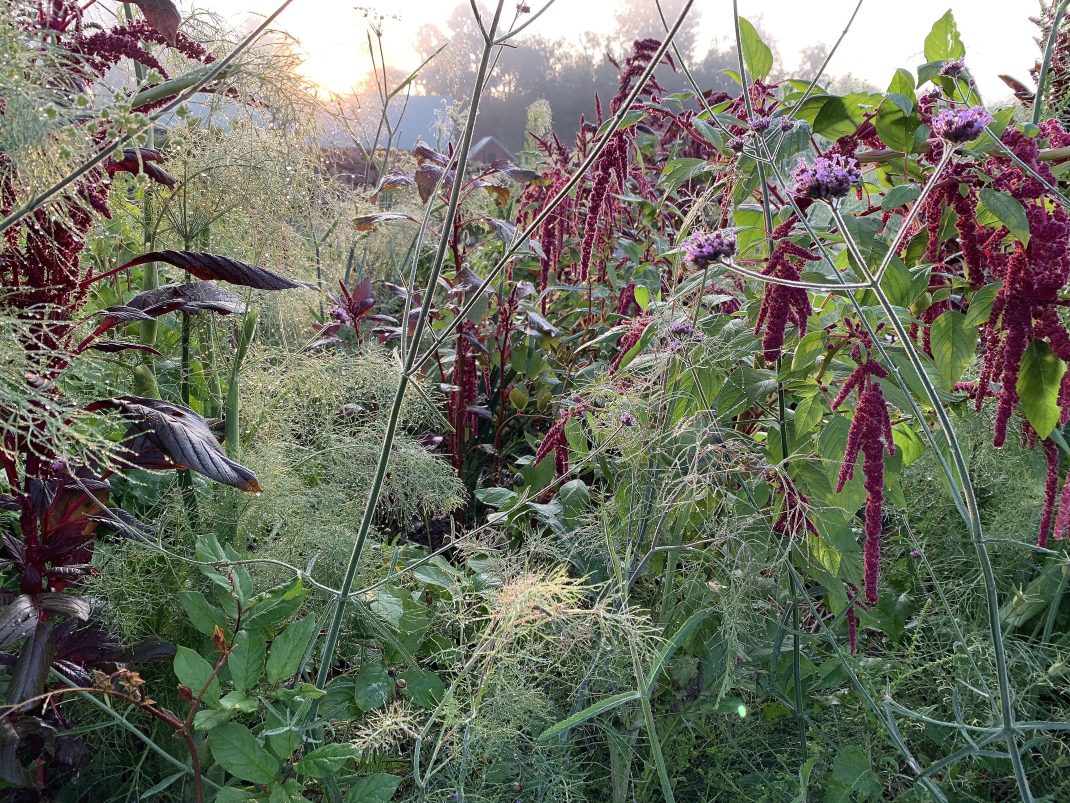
(145, 382)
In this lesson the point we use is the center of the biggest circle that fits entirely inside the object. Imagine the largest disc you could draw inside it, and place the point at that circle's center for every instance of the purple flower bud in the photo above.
(953, 68)
(961, 125)
(915, 553)
(759, 124)
(785, 124)
(704, 248)
(827, 178)
(627, 419)
(681, 328)
(737, 144)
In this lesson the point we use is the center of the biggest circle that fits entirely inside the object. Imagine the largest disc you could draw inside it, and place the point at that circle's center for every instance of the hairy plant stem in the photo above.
(973, 520)
(334, 629)
(1045, 67)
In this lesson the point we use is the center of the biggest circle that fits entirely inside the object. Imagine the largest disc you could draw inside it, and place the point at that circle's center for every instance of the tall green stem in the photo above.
(394, 417)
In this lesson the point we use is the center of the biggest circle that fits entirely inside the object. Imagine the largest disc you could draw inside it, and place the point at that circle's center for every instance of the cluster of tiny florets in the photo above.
(827, 178)
(961, 125)
(703, 249)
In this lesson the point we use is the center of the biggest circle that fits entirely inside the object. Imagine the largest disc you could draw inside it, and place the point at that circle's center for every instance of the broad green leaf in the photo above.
(1038, 387)
(591, 711)
(980, 308)
(900, 195)
(203, 615)
(954, 344)
(808, 413)
(423, 687)
(807, 350)
(271, 608)
(193, 672)
(943, 42)
(246, 660)
(372, 686)
(288, 648)
(208, 718)
(377, 788)
(1010, 212)
(238, 752)
(903, 85)
(756, 53)
(325, 761)
(908, 443)
(229, 794)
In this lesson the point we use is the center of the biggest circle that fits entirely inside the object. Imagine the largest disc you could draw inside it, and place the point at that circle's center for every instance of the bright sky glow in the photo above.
(885, 35)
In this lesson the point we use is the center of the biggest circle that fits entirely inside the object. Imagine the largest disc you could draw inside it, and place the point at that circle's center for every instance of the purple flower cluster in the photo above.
(827, 178)
(961, 125)
(953, 68)
(703, 248)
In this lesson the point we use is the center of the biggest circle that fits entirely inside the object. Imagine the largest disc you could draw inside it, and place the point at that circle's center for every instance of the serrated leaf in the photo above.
(238, 752)
(288, 648)
(1038, 387)
(954, 344)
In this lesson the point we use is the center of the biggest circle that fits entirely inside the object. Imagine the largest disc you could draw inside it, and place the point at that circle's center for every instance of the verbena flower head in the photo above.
(785, 124)
(827, 178)
(961, 125)
(703, 248)
(759, 123)
(953, 68)
(737, 144)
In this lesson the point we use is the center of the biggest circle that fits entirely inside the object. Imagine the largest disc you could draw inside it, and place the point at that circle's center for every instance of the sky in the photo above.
(885, 35)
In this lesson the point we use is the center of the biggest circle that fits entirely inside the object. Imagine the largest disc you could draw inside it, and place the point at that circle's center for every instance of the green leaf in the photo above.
(591, 711)
(908, 443)
(208, 718)
(377, 788)
(954, 344)
(943, 42)
(673, 644)
(1010, 212)
(288, 648)
(204, 616)
(246, 660)
(903, 85)
(1038, 387)
(808, 413)
(238, 752)
(756, 53)
(372, 686)
(900, 195)
(423, 687)
(980, 308)
(271, 608)
(193, 672)
(327, 760)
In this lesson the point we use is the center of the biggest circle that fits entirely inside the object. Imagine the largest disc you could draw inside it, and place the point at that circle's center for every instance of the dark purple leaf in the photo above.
(428, 176)
(369, 222)
(66, 605)
(213, 266)
(9, 503)
(539, 326)
(480, 411)
(430, 440)
(189, 298)
(148, 650)
(11, 769)
(18, 619)
(114, 346)
(392, 181)
(163, 16)
(31, 667)
(142, 160)
(164, 435)
(425, 154)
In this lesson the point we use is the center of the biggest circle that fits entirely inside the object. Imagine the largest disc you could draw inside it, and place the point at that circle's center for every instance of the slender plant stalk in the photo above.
(1045, 66)
(1006, 697)
(335, 626)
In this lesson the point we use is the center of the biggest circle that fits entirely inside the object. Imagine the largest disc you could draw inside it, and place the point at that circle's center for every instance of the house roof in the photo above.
(415, 119)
